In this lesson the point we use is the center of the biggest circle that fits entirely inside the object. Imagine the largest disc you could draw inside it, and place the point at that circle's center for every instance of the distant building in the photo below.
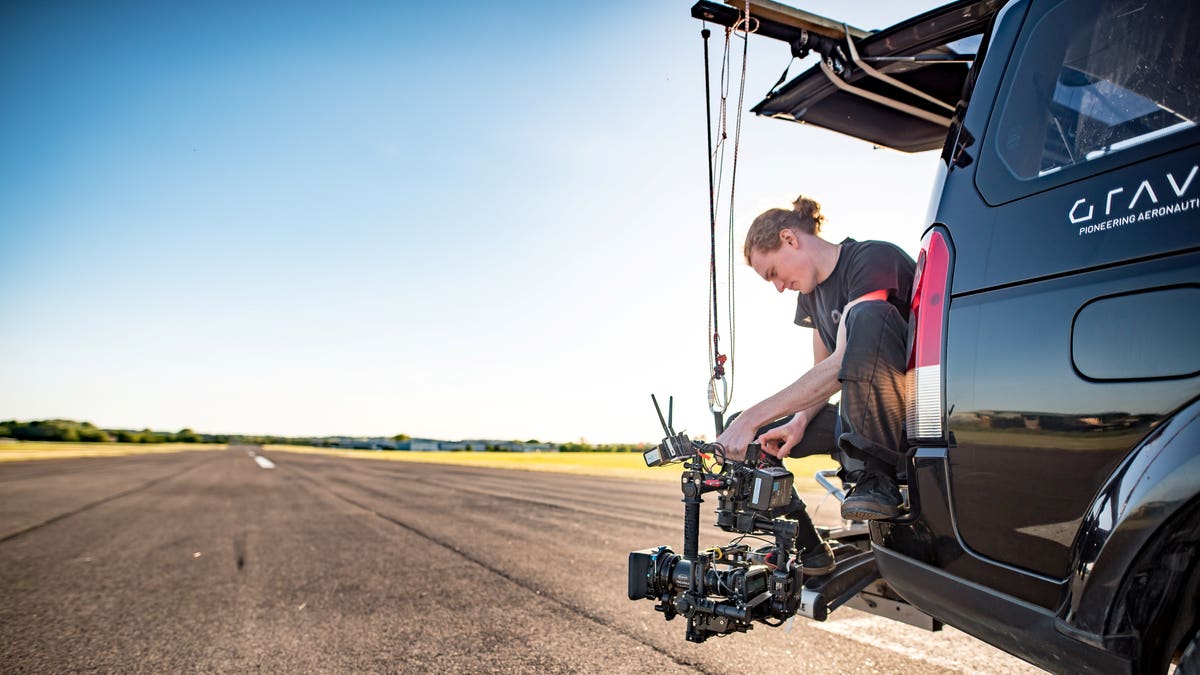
(479, 444)
(431, 445)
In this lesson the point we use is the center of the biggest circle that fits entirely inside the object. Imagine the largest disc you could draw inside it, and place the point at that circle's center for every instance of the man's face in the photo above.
(788, 267)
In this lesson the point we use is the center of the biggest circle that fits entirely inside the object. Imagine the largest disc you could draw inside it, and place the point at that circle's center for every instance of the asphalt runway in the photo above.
(213, 561)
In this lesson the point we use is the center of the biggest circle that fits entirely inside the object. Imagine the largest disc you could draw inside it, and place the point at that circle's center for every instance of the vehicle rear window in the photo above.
(1094, 78)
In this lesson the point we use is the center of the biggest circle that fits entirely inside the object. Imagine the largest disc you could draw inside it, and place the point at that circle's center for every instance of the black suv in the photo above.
(1054, 418)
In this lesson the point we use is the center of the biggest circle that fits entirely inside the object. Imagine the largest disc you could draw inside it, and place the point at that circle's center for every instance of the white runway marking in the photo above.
(970, 655)
(264, 462)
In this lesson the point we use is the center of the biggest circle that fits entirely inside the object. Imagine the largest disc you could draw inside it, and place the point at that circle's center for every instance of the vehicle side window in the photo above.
(1094, 78)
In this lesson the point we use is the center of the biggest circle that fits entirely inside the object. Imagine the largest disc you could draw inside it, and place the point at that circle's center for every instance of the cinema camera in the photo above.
(723, 589)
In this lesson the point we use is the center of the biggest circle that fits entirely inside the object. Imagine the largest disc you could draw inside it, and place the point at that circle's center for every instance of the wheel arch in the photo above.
(1135, 564)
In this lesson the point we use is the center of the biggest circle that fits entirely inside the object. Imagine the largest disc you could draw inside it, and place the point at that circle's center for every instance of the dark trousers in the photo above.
(868, 432)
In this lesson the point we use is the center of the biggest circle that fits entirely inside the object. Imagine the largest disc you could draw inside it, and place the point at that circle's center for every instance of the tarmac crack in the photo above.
(104, 500)
(239, 550)
(574, 609)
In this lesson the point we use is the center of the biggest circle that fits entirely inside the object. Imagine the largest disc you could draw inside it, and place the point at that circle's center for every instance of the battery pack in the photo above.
(771, 488)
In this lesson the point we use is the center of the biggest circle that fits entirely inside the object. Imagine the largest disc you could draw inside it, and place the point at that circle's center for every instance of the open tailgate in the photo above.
(866, 89)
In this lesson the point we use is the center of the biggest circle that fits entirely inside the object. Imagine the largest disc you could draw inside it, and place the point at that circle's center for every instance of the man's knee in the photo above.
(875, 333)
(871, 318)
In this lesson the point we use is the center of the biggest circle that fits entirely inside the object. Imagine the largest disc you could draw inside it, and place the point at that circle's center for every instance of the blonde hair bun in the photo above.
(763, 235)
(809, 208)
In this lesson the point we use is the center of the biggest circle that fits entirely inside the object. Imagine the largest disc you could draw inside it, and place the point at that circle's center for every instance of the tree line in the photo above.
(70, 431)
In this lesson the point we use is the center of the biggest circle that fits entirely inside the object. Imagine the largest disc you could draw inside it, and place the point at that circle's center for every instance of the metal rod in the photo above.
(882, 100)
(923, 58)
(888, 78)
(823, 478)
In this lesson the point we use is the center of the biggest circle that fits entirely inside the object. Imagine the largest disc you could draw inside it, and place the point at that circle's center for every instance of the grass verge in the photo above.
(611, 464)
(20, 451)
(628, 465)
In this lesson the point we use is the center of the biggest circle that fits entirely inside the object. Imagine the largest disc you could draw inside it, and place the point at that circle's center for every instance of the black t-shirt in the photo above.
(862, 267)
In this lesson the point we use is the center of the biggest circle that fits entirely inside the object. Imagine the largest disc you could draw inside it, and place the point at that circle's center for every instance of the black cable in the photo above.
(712, 205)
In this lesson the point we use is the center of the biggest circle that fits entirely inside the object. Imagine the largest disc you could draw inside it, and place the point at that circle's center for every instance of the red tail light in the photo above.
(924, 379)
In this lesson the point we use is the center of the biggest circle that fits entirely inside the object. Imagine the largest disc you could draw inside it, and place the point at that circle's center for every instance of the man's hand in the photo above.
(777, 441)
(736, 437)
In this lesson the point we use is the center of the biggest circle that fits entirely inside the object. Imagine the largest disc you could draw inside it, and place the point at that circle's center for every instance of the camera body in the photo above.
(724, 589)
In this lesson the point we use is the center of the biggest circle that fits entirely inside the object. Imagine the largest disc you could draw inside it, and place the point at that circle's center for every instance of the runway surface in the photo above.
(221, 561)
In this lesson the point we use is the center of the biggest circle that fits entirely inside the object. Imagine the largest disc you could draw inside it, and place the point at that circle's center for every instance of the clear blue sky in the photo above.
(456, 220)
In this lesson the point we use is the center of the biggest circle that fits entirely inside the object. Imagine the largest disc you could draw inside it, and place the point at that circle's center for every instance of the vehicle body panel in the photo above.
(1059, 517)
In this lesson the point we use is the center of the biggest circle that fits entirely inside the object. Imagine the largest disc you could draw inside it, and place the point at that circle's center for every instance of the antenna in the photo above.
(671, 412)
(666, 428)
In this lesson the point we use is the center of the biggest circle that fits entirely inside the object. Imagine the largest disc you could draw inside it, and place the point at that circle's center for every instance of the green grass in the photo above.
(20, 451)
(612, 464)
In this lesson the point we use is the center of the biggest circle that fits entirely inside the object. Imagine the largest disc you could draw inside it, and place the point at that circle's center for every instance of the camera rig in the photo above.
(725, 589)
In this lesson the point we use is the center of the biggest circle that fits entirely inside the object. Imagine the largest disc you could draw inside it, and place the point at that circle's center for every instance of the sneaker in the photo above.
(817, 562)
(873, 497)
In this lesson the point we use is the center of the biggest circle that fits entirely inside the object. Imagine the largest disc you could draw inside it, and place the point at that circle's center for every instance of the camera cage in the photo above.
(727, 588)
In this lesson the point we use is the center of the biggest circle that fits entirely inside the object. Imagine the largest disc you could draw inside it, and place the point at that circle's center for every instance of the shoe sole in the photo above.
(868, 513)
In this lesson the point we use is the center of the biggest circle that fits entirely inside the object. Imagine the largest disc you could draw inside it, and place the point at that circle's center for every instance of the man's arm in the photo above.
(820, 353)
(812, 390)
(778, 440)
